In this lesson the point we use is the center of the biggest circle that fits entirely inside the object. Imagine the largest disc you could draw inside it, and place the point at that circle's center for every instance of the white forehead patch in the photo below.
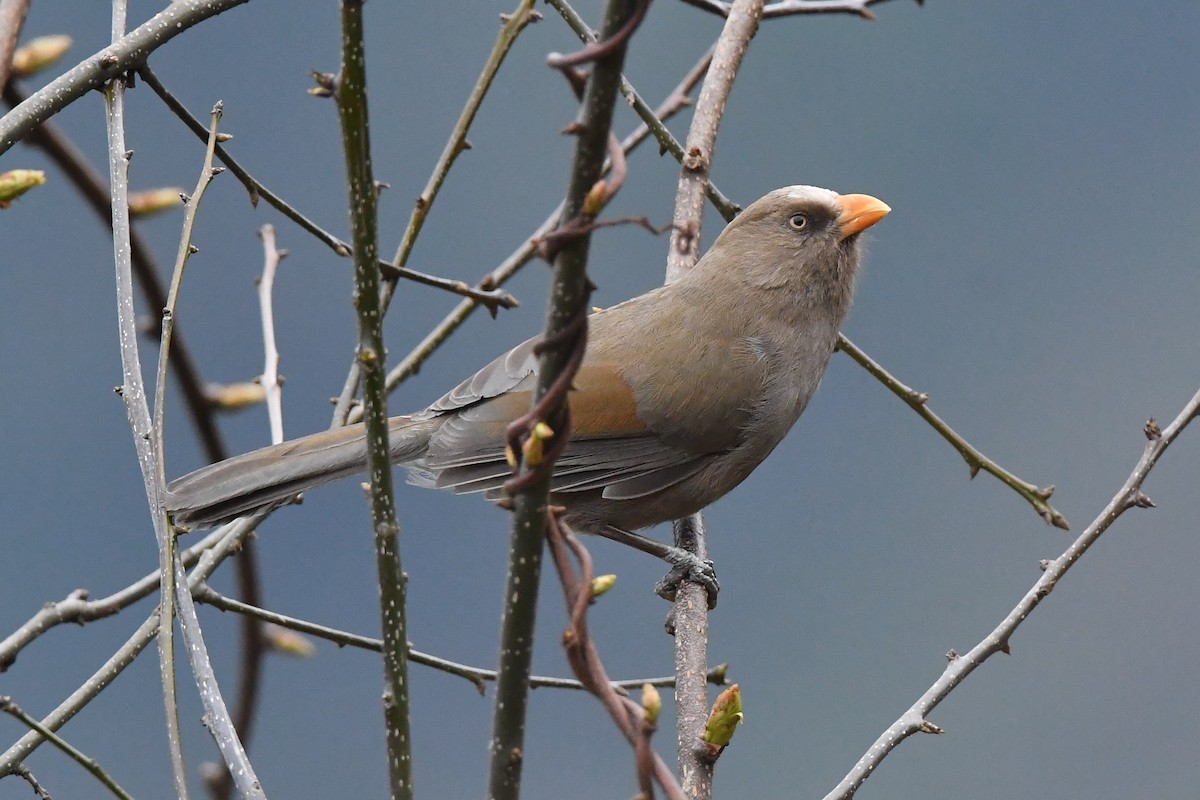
(801, 192)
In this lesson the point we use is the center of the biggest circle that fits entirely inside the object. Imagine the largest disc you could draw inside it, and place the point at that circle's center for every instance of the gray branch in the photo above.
(915, 719)
(99, 68)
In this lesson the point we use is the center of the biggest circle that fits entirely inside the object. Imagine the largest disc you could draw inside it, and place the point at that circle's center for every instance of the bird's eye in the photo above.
(798, 221)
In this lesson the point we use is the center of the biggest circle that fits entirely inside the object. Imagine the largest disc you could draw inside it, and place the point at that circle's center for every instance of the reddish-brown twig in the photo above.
(585, 662)
(598, 50)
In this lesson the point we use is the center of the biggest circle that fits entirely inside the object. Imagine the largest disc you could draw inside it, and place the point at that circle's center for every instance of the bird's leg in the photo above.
(684, 565)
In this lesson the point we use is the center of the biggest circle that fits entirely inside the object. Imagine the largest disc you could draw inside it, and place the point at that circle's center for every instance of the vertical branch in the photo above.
(133, 393)
(568, 294)
(511, 28)
(271, 383)
(168, 554)
(217, 717)
(352, 111)
(690, 612)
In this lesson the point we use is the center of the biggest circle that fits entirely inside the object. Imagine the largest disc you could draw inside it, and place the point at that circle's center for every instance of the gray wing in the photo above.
(467, 455)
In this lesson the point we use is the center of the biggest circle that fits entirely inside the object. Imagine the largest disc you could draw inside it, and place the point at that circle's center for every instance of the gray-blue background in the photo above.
(1038, 277)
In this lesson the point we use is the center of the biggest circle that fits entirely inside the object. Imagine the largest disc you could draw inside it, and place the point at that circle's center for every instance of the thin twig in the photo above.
(22, 771)
(90, 764)
(76, 608)
(511, 28)
(915, 719)
(271, 382)
(219, 780)
(351, 97)
(217, 717)
(228, 540)
(478, 676)
(253, 186)
(491, 299)
(100, 68)
(976, 460)
(582, 655)
(94, 189)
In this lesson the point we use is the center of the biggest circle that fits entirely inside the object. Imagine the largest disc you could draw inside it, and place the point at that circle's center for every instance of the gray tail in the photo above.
(240, 485)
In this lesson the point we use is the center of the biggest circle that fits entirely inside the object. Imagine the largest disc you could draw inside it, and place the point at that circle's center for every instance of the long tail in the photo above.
(229, 489)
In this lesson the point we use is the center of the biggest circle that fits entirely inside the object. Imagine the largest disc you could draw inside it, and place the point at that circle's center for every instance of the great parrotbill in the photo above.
(683, 391)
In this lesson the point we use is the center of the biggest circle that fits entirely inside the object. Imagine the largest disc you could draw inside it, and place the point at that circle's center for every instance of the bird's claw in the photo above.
(687, 566)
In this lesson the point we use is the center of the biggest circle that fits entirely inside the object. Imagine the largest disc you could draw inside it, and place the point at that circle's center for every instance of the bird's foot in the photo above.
(687, 566)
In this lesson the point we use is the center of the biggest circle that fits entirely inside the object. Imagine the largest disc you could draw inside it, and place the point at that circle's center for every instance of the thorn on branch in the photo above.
(1140, 500)
(534, 16)
(576, 78)
(326, 84)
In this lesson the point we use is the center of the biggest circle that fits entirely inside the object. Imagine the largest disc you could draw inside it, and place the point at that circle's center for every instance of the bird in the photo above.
(683, 391)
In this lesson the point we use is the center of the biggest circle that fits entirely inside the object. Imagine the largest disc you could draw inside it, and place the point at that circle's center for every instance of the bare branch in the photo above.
(629, 717)
(270, 380)
(976, 460)
(226, 541)
(218, 720)
(90, 764)
(100, 68)
(78, 609)
(915, 719)
(253, 187)
(478, 676)
(491, 299)
(351, 96)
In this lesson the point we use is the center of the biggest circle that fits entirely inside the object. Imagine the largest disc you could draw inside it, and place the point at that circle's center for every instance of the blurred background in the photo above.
(1038, 277)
